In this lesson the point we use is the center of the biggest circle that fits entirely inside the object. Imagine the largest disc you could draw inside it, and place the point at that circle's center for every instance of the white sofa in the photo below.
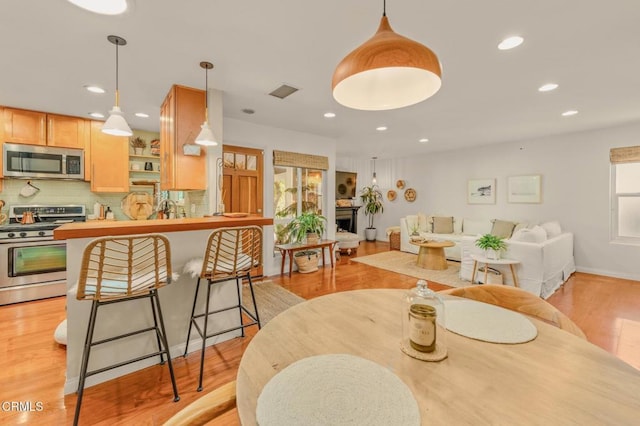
(423, 223)
(544, 265)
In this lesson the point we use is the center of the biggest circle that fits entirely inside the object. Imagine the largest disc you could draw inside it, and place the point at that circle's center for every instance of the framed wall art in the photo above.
(481, 191)
(524, 189)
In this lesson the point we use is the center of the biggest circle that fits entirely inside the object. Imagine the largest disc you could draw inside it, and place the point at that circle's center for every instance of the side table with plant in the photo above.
(492, 245)
(310, 227)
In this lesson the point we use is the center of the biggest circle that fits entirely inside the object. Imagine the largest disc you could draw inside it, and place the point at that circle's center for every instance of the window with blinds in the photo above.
(625, 194)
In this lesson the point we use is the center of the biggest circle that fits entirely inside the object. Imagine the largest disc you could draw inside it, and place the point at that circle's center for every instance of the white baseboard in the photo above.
(614, 274)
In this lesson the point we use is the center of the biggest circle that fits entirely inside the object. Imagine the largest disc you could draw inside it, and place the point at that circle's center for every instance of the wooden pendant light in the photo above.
(388, 71)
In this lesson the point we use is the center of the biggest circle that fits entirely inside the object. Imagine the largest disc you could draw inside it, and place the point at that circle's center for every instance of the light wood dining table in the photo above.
(555, 379)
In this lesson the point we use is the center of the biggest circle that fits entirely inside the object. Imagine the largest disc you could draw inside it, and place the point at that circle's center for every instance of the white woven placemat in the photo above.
(489, 323)
(336, 389)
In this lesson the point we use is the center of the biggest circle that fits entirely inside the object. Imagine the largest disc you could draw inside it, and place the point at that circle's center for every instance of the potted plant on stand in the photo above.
(372, 202)
(492, 246)
(307, 227)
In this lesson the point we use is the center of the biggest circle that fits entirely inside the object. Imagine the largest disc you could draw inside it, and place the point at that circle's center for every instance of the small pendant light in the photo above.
(388, 71)
(374, 181)
(116, 124)
(206, 134)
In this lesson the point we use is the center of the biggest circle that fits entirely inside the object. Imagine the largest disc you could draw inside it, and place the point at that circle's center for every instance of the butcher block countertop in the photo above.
(102, 228)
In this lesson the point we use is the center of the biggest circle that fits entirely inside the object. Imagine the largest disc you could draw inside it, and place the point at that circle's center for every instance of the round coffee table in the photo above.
(431, 254)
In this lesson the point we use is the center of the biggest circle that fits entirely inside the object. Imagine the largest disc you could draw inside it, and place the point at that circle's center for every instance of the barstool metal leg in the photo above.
(154, 295)
(238, 290)
(85, 358)
(204, 335)
(155, 324)
(193, 311)
(253, 298)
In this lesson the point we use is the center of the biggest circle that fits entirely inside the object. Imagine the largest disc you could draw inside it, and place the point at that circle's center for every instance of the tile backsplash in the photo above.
(78, 192)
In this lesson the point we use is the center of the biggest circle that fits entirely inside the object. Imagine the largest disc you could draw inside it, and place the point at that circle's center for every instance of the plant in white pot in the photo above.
(372, 202)
(493, 246)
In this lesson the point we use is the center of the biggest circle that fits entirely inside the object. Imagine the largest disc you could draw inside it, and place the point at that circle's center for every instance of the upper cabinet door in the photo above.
(21, 126)
(66, 132)
(109, 161)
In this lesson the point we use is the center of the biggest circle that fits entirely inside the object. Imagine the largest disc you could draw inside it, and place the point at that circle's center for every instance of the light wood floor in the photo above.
(32, 365)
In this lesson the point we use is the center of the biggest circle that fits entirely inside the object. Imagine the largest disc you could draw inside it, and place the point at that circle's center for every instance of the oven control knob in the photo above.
(23, 234)
(11, 235)
(41, 233)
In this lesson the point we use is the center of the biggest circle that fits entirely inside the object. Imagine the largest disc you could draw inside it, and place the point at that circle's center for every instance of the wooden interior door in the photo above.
(242, 183)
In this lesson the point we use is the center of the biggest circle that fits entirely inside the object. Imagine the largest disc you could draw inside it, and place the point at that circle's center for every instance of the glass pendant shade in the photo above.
(103, 7)
(388, 71)
(116, 125)
(206, 137)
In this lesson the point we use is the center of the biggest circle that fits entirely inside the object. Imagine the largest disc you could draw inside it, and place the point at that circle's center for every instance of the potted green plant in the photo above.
(371, 198)
(492, 245)
(308, 225)
(138, 144)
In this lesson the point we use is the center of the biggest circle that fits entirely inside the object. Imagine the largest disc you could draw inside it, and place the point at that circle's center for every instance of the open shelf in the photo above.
(152, 157)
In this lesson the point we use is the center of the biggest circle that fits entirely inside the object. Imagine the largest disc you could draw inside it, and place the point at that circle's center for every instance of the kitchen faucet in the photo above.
(166, 206)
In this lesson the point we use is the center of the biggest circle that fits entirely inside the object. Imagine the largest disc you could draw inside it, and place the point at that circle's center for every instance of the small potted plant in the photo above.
(371, 198)
(309, 226)
(138, 144)
(492, 245)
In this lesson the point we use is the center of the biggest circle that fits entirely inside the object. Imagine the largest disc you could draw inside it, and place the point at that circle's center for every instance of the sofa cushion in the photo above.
(442, 225)
(552, 229)
(502, 228)
(534, 235)
(424, 224)
(476, 226)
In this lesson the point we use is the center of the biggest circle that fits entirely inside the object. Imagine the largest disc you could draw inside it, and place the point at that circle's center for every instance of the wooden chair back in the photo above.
(124, 266)
(518, 300)
(207, 407)
(232, 252)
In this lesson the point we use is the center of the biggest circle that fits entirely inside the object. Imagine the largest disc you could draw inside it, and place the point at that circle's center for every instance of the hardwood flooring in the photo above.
(32, 365)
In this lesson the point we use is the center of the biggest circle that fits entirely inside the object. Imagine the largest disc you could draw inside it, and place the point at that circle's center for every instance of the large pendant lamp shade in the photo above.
(116, 125)
(388, 71)
(206, 137)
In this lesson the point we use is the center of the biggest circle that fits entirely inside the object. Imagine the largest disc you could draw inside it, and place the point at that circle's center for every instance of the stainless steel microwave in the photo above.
(42, 162)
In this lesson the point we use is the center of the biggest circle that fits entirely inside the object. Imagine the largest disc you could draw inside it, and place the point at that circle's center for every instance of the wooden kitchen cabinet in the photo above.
(181, 115)
(109, 161)
(39, 128)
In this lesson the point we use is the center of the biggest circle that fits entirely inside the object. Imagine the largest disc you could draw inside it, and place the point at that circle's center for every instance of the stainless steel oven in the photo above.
(32, 264)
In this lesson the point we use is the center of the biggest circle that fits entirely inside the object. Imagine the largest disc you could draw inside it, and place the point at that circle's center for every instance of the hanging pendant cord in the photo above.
(384, 7)
(117, 92)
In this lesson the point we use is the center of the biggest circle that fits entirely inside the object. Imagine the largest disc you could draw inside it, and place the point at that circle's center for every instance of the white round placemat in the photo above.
(336, 389)
(489, 323)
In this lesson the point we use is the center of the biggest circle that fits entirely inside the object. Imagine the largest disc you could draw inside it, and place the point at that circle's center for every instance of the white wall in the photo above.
(241, 133)
(575, 173)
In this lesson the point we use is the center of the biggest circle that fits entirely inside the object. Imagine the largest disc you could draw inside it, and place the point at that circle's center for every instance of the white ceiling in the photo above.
(51, 49)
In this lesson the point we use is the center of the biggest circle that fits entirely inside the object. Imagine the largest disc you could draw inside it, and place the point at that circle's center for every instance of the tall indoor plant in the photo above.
(372, 203)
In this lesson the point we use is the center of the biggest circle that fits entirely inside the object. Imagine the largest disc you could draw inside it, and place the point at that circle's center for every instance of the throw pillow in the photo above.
(534, 235)
(502, 228)
(442, 225)
(423, 223)
(519, 226)
(552, 229)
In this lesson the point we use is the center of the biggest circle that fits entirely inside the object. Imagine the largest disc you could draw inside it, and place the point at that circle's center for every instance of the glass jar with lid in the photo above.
(423, 324)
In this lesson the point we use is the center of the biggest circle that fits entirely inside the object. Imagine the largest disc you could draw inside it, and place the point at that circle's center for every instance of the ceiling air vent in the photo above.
(283, 91)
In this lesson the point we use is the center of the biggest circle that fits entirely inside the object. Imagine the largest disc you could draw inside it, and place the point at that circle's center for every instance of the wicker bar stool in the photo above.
(231, 254)
(120, 269)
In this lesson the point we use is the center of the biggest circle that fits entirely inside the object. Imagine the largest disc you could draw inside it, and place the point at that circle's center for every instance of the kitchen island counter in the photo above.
(188, 240)
(103, 228)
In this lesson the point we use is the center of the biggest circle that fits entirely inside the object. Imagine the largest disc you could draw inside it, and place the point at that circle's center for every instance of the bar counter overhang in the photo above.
(188, 238)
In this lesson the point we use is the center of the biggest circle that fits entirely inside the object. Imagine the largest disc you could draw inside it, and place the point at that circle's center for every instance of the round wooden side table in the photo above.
(482, 259)
(431, 254)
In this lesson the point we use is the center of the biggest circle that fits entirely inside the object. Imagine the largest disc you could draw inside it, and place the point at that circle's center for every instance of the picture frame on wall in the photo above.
(481, 191)
(524, 189)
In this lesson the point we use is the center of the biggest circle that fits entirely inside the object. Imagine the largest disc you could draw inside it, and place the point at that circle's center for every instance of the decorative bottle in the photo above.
(423, 323)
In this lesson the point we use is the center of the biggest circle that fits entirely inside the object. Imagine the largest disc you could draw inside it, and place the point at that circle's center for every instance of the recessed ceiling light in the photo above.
(113, 7)
(96, 115)
(94, 89)
(548, 87)
(423, 140)
(569, 113)
(510, 43)
(329, 114)
(381, 128)
(141, 115)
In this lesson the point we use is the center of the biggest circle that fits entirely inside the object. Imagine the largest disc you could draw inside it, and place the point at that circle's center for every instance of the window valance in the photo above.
(294, 159)
(628, 154)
